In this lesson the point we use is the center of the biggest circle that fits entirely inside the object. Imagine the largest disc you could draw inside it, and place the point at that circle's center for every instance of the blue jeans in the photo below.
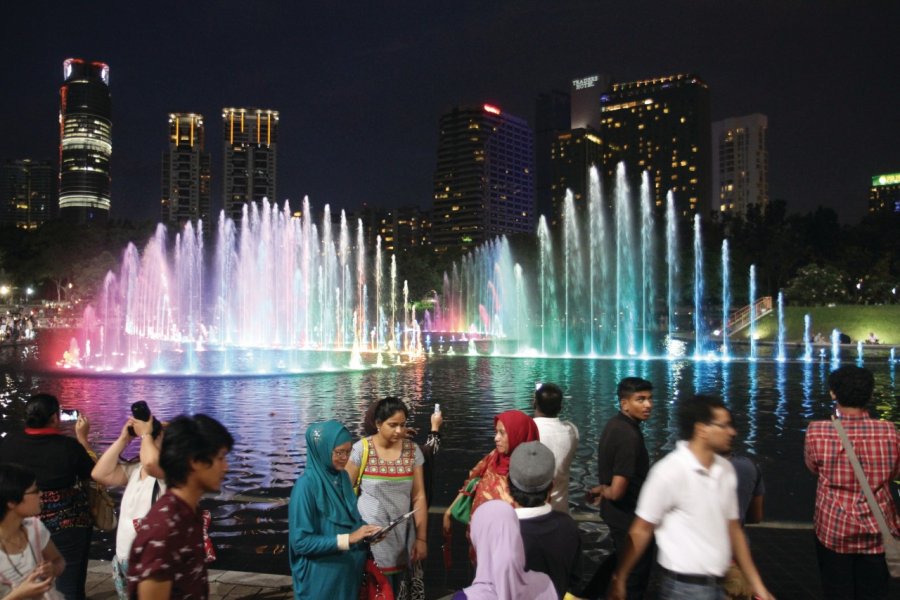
(669, 589)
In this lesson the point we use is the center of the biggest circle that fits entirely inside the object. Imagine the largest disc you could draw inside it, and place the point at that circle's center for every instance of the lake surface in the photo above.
(268, 416)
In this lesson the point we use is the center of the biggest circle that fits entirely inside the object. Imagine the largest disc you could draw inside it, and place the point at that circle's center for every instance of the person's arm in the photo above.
(55, 560)
(755, 510)
(154, 589)
(149, 454)
(355, 462)
(303, 532)
(82, 429)
(35, 585)
(809, 450)
(614, 491)
(745, 561)
(639, 536)
(108, 470)
(420, 550)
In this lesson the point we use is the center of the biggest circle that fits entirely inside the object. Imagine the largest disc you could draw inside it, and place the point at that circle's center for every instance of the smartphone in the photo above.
(437, 408)
(68, 415)
(141, 412)
(537, 385)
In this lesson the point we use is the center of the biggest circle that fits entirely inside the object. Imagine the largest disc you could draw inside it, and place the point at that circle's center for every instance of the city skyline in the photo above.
(361, 90)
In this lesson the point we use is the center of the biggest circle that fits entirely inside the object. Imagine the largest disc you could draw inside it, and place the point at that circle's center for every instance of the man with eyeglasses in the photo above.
(689, 501)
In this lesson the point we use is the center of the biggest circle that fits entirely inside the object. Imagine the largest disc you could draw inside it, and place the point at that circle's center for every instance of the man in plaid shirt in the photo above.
(849, 546)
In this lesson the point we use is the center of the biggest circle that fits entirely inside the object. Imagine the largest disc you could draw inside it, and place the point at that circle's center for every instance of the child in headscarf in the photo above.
(501, 573)
(324, 526)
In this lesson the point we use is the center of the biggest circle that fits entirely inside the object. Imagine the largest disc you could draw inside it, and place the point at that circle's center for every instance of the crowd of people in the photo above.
(362, 505)
(16, 328)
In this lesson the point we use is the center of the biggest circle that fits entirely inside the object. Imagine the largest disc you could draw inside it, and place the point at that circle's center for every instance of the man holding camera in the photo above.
(143, 481)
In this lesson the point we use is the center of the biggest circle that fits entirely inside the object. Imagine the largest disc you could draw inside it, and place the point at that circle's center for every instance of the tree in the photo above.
(815, 285)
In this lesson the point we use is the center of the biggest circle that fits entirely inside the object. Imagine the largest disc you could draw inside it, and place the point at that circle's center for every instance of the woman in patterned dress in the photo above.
(392, 484)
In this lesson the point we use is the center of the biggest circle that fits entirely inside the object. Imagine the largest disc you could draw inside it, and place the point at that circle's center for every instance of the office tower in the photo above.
(586, 93)
(551, 117)
(483, 183)
(185, 171)
(251, 150)
(85, 141)
(28, 193)
(884, 195)
(740, 166)
(661, 125)
(572, 155)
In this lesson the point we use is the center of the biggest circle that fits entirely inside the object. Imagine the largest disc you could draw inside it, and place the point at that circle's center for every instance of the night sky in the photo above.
(360, 88)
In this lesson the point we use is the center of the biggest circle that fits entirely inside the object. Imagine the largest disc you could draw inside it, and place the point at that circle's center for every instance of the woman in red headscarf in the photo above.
(512, 428)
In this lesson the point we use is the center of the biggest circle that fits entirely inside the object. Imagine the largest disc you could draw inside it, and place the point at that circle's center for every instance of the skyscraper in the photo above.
(573, 154)
(251, 150)
(884, 195)
(740, 166)
(586, 93)
(483, 183)
(185, 171)
(28, 193)
(85, 146)
(661, 125)
(551, 117)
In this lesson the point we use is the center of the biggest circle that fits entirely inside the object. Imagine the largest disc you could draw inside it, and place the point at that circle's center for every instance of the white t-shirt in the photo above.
(562, 439)
(15, 567)
(136, 502)
(690, 507)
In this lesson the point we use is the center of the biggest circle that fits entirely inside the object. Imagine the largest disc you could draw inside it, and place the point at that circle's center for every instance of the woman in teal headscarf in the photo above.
(324, 523)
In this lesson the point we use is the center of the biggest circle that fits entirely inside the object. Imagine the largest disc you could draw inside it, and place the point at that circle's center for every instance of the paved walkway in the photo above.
(784, 554)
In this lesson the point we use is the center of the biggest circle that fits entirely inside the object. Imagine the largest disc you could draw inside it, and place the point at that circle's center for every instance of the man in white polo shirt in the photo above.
(558, 435)
(689, 501)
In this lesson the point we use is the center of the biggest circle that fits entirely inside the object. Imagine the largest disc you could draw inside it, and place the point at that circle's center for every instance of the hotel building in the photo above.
(884, 195)
(185, 171)
(251, 152)
(28, 193)
(740, 167)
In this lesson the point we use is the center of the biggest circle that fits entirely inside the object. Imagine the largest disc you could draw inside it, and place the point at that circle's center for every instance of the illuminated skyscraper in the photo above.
(85, 148)
(251, 150)
(586, 93)
(661, 125)
(185, 171)
(484, 182)
(884, 195)
(28, 193)
(572, 155)
(740, 167)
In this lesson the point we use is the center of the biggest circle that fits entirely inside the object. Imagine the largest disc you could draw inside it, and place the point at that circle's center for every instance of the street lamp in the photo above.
(4, 292)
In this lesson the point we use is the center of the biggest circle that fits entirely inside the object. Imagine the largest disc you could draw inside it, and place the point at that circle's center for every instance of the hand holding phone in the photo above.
(68, 415)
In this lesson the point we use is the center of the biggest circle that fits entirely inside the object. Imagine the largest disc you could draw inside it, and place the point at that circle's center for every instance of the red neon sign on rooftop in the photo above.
(491, 109)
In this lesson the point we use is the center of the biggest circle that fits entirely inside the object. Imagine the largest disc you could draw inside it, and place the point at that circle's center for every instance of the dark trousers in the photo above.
(852, 576)
(74, 545)
(636, 585)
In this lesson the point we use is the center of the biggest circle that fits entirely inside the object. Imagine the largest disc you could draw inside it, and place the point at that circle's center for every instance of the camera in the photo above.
(68, 415)
(141, 412)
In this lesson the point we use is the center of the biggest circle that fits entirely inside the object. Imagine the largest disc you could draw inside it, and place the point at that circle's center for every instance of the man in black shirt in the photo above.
(623, 464)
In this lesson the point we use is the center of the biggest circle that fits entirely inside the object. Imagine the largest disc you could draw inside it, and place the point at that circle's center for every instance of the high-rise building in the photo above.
(884, 195)
(586, 93)
(551, 117)
(185, 171)
(28, 193)
(573, 154)
(661, 125)
(85, 141)
(740, 166)
(484, 181)
(251, 150)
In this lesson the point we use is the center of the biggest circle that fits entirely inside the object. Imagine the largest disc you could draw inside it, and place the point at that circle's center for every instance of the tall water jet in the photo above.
(572, 265)
(752, 312)
(859, 351)
(726, 300)
(780, 348)
(625, 276)
(698, 290)
(547, 283)
(647, 279)
(671, 260)
(835, 346)
(807, 339)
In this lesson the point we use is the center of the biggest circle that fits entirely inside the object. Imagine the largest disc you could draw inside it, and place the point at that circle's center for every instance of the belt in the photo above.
(694, 579)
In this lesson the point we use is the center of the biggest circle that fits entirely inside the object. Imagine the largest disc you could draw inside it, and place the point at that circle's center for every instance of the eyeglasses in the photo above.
(721, 425)
(341, 453)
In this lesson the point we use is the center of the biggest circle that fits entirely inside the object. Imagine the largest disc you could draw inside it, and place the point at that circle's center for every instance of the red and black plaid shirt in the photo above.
(844, 522)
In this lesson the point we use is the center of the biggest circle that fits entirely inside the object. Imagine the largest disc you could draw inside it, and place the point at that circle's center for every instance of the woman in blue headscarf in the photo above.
(324, 523)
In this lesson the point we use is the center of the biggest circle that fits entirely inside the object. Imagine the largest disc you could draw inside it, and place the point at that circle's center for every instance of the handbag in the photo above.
(362, 466)
(891, 544)
(461, 509)
(103, 509)
(375, 585)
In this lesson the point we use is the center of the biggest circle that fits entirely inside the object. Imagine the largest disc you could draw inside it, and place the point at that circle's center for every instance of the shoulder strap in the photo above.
(154, 495)
(362, 465)
(861, 478)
